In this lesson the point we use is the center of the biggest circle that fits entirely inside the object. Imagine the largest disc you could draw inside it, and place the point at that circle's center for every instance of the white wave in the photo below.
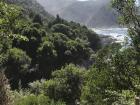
(117, 33)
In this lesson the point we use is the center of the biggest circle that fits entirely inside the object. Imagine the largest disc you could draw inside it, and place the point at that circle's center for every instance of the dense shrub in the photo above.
(65, 85)
(17, 66)
(26, 98)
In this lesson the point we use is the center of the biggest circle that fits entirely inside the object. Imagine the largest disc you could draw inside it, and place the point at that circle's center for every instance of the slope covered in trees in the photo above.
(34, 48)
(32, 7)
(63, 63)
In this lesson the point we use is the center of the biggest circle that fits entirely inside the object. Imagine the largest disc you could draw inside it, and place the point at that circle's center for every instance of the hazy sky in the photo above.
(137, 1)
(82, 0)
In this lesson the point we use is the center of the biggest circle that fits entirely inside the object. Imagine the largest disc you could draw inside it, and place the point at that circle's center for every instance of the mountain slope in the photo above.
(32, 6)
(93, 13)
(55, 6)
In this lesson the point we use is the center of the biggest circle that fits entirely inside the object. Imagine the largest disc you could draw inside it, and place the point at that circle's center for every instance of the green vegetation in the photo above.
(31, 8)
(63, 63)
(65, 85)
(27, 98)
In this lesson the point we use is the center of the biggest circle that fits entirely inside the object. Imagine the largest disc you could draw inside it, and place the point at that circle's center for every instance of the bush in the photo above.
(65, 85)
(17, 66)
(27, 98)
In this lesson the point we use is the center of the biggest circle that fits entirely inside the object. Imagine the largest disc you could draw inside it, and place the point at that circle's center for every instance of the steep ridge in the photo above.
(93, 13)
(32, 6)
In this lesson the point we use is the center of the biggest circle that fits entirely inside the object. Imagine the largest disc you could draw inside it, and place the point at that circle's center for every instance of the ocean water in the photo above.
(116, 33)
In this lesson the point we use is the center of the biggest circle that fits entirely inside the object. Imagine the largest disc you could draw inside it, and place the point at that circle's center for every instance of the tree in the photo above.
(57, 20)
(95, 87)
(129, 16)
(17, 66)
(34, 37)
(9, 14)
(58, 49)
(5, 96)
(46, 58)
(28, 98)
(64, 29)
(37, 19)
(115, 70)
(65, 85)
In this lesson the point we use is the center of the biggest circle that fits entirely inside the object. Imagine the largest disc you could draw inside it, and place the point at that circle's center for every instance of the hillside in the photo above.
(55, 6)
(32, 6)
(64, 63)
(40, 48)
(91, 13)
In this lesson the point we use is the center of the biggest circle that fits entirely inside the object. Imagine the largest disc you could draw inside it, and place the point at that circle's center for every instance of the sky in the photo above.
(82, 0)
(137, 1)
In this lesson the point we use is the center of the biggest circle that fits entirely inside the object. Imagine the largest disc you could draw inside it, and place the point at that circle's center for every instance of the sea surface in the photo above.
(116, 33)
